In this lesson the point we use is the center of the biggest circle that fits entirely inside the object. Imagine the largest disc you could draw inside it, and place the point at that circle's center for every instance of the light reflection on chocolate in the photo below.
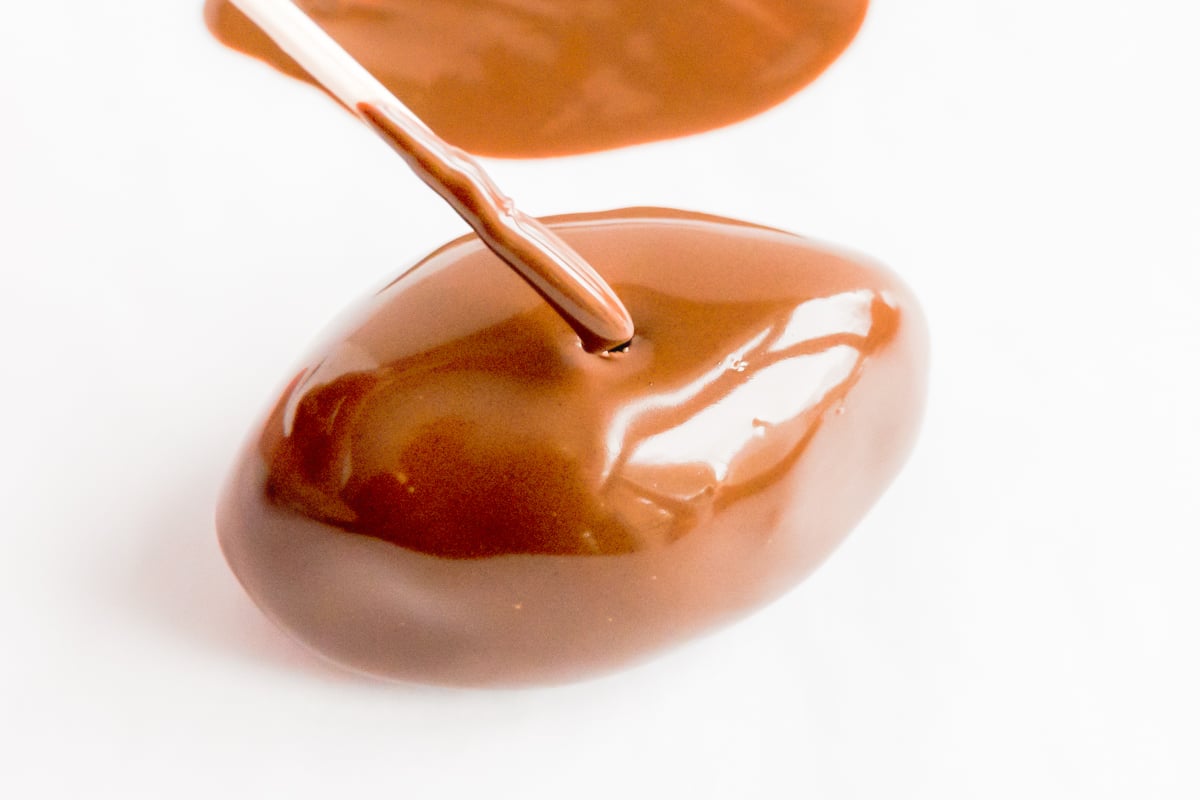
(545, 77)
(454, 491)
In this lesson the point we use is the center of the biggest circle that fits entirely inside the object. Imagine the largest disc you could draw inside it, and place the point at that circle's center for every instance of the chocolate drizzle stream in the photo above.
(546, 262)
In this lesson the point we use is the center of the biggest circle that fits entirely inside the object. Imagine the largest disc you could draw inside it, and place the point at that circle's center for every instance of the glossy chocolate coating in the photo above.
(547, 77)
(453, 491)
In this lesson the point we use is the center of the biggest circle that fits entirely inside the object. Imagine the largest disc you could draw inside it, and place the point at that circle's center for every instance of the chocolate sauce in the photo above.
(536, 78)
(453, 491)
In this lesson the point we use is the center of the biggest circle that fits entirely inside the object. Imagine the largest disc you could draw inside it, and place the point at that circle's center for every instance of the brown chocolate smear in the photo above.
(527, 78)
(451, 490)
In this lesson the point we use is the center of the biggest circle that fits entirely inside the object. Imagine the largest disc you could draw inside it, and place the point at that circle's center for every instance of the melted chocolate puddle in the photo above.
(525, 78)
(503, 438)
(453, 490)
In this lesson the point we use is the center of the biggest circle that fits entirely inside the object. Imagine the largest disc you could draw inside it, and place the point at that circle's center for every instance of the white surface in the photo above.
(1016, 619)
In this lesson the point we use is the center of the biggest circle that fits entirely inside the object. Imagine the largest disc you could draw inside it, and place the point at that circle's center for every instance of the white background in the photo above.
(1017, 618)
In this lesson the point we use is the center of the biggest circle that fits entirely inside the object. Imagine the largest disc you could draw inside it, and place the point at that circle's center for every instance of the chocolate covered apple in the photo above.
(452, 490)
